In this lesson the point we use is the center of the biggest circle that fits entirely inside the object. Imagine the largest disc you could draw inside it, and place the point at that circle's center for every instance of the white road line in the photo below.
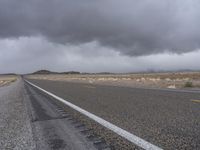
(123, 133)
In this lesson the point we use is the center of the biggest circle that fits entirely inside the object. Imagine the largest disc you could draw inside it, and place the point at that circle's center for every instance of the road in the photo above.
(30, 119)
(168, 119)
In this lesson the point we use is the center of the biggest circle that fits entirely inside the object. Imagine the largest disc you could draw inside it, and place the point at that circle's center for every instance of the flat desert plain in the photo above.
(176, 80)
(7, 79)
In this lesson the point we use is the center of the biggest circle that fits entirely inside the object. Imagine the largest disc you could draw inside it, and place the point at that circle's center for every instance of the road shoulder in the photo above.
(15, 128)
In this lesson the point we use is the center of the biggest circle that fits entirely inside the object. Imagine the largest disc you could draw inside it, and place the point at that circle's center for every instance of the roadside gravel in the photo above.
(15, 128)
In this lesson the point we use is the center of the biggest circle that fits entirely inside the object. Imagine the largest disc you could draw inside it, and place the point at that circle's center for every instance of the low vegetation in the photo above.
(188, 84)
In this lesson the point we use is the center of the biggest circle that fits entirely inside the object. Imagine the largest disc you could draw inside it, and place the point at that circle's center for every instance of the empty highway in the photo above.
(169, 119)
(58, 115)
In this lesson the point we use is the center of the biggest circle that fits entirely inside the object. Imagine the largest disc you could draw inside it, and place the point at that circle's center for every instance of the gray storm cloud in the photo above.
(132, 27)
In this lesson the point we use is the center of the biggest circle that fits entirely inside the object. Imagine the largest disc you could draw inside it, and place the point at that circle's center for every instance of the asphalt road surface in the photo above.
(168, 119)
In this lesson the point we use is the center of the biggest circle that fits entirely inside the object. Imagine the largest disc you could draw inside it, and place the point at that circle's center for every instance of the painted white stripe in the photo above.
(123, 133)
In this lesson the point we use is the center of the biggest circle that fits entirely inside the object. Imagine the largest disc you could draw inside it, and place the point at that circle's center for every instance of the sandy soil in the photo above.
(153, 80)
(7, 79)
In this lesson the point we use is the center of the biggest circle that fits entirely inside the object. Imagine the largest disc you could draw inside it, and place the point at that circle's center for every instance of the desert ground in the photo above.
(150, 80)
(7, 79)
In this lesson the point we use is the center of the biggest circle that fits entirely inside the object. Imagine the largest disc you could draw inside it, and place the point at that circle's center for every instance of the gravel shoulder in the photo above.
(15, 128)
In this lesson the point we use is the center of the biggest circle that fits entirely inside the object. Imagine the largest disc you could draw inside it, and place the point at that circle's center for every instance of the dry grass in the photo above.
(160, 80)
(7, 79)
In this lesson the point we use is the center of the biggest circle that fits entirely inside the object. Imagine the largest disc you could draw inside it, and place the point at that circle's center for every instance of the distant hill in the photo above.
(51, 72)
(71, 72)
(44, 72)
(8, 74)
(105, 73)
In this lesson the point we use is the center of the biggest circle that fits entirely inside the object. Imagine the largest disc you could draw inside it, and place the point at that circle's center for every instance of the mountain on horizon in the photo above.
(52, 72)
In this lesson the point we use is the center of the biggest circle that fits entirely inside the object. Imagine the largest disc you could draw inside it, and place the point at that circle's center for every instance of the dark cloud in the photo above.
(28, 54)
(132, 27)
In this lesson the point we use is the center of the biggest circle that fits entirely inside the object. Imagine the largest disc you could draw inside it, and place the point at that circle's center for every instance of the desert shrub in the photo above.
(188, 84)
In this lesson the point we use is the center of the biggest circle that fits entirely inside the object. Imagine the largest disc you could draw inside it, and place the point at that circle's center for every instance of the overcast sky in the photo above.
(99, 35)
